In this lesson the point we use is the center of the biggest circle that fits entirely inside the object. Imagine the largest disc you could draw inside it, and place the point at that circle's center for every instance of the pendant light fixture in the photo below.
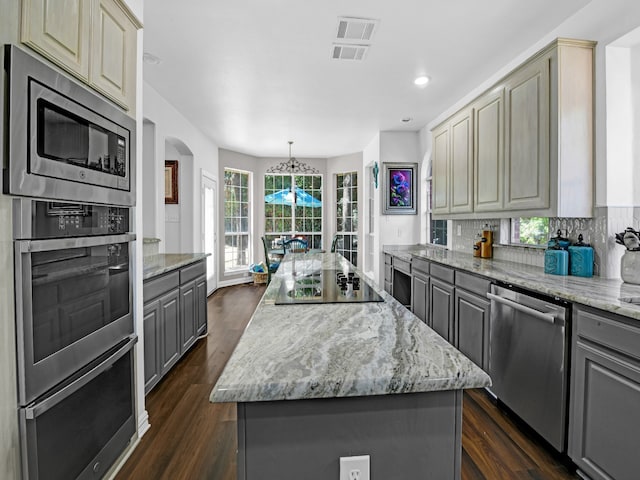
(292, 165)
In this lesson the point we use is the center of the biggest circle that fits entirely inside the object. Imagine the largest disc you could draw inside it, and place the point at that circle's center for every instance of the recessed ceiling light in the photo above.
(421, 81)
(151, 59)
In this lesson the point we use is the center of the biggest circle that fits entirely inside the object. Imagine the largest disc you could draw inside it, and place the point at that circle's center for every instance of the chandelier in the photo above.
(292, 165)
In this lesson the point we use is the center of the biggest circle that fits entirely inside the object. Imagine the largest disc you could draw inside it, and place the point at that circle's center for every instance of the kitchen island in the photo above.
(317, 382)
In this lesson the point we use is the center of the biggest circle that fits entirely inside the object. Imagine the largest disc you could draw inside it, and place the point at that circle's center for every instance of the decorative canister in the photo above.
(556, 260)
(486, 245)
(581, 258)
(630, 266)
(477, 245)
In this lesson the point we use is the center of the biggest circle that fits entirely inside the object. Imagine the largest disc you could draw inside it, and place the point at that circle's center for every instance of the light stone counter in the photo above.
(154, 265)
(291, 352)
(596, 292)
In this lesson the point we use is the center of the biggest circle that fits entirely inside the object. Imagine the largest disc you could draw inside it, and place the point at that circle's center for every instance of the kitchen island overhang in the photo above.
(320, 381)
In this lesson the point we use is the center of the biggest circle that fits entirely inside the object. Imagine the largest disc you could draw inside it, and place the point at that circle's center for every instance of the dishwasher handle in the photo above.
(547, 317)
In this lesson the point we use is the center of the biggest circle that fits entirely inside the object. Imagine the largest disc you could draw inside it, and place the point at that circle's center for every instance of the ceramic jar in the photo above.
(630, 266)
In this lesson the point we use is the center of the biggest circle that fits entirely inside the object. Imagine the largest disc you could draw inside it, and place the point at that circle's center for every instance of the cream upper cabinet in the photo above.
(113, 60)
(440, 171)
(461, 175)
(489, 152)
(453, 152)
(532, 137)
(59, 30)
(526, 174)
(95, 40)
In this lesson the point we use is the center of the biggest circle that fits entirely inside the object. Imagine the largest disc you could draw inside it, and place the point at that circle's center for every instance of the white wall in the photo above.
(187, 141)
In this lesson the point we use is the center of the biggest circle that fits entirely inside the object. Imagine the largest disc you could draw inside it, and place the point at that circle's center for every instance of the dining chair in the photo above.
(272, 264)
(295, 245)
(334, 243)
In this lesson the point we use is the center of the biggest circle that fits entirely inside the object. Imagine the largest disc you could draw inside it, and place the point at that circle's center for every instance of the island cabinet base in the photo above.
(415, 435)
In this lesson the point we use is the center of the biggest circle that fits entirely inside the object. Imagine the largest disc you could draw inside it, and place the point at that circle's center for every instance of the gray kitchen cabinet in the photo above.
(441, 301)
(188, 315)
(420, 288)
(604, 424)
(151, 324)
(388, 273)
(472, 311)
(169, 330)
(175, 315)
(489, 152)
(201, 305)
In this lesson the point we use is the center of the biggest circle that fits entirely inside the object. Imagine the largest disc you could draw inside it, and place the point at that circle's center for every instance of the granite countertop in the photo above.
(602, 293)
(154, 265)
(314, 351)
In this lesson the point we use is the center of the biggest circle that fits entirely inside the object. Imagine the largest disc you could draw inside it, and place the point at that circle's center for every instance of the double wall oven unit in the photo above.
(69, 162)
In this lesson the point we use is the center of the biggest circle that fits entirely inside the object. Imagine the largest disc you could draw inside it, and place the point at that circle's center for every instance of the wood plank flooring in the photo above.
(193, 439)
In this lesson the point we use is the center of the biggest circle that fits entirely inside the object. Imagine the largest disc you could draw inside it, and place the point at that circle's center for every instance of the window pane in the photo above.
(236, 221)
(530, 230)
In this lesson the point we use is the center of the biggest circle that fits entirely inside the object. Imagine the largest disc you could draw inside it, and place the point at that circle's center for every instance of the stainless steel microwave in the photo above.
(63, 141)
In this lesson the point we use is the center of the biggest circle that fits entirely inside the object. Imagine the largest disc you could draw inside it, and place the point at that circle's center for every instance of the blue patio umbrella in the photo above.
(285, 197)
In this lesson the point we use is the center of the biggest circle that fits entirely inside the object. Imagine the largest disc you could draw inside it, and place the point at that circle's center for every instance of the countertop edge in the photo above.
(160, 263)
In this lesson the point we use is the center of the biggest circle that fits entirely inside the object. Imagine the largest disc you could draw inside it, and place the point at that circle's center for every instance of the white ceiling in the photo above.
(253, 74)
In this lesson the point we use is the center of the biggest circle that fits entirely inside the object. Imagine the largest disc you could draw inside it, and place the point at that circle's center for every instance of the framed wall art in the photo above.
(170, 181)
(399, 183)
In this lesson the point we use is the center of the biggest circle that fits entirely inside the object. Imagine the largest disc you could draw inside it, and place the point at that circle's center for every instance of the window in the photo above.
(347, 215)
(530, 230)
(293, 207)
(236, 220)
(437, 228)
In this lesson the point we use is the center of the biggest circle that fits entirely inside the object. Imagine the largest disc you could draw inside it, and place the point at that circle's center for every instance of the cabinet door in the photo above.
(461, 171)
(151, 319)
(605, 417)
(170, 329)
(489, 152)
(441, 305)
(113, 59)
(440, 171)
(59, 30)
(527, 103)
(188, 312)
(472, 327)
(420, 297)
(201, 305)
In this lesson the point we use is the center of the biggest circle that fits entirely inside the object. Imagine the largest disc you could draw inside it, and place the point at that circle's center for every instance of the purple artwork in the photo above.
(400, 185)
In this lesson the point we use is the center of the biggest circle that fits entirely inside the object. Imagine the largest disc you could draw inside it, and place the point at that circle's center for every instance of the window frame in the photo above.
(240, 233)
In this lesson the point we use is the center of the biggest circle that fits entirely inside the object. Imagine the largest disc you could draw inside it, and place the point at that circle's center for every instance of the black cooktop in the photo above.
(326, 286)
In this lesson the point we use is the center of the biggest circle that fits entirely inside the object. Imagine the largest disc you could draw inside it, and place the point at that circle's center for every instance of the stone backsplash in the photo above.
(599, 231)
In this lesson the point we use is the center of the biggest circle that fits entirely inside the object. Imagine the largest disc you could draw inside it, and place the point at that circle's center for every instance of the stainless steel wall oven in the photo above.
(69, 160)
(74, 323)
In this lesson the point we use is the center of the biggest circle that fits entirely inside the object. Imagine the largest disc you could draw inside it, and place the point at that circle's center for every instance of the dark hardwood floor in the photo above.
(193, 439)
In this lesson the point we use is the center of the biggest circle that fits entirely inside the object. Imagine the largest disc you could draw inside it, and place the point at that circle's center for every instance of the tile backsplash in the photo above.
(599, 231)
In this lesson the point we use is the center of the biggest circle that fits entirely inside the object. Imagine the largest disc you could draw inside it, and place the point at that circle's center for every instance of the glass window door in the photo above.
(347, 215)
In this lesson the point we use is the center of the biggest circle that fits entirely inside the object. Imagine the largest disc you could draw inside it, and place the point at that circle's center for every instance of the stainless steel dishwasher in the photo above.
(528, 355)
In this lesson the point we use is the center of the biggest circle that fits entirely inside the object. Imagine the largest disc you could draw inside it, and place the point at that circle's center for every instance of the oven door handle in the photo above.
(26, 246)
(547, 317)
(38, 409)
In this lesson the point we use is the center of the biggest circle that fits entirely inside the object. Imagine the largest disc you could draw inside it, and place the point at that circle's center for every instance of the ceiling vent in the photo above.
(349, 52)
(356, 29)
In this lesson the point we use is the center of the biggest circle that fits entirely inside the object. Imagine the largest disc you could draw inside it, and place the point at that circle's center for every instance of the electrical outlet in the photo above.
(355, 468)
